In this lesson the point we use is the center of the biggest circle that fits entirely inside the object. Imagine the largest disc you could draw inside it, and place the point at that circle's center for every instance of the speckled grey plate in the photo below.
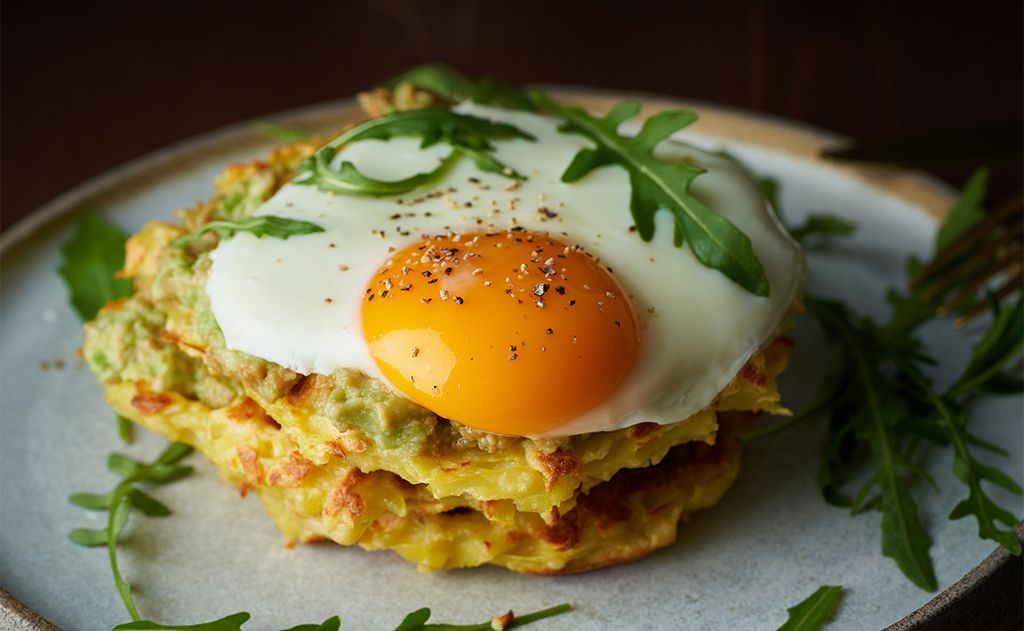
(769, 544)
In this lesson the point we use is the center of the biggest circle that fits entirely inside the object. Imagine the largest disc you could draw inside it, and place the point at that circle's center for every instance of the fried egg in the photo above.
(528, 308)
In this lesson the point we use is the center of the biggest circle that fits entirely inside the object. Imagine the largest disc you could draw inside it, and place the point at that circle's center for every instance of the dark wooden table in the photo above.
(87, 86)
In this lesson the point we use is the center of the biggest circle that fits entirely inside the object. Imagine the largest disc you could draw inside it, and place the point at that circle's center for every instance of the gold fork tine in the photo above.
(992, 248)
(1012, 284)
(968, 240)
(985, 264)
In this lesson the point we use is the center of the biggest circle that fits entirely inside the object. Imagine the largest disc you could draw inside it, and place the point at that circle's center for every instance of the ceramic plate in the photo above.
(770, 543)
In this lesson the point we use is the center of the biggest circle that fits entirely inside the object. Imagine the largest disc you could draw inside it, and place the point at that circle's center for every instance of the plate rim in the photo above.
(763, 130)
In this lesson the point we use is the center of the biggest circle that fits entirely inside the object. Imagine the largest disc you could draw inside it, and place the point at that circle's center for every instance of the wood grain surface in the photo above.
(87, 86)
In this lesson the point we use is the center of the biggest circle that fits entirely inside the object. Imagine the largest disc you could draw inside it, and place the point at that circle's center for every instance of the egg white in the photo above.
(297, 302)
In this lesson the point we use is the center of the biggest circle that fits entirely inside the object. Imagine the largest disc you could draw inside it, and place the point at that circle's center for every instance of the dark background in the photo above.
(90, 85)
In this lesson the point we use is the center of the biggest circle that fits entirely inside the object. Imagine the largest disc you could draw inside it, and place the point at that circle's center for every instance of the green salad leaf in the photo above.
(904, 537)
(417, 621)
(259, 226)
(948, 416)
(348, 180)
(414, 621)
(89, 261)
(449, 84)
(822, 225)
(966, 212)
(280, 133)
(1001, 343)
(331, 624)
(125, 429)
(233, 622)
(656, 185)
(468, 136)
(125, 496)
(815, 611)
(882, 407)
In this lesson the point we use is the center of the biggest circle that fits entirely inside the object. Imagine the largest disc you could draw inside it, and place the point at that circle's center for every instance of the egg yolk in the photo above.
(511, 333)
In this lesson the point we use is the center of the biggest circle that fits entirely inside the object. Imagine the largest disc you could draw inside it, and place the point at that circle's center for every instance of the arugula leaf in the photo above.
(347, 178)
(417, 621)
(259, 226)
(144, 502)
(823, 225)
(842, 454)
(117, 519)
(449, 84)
(125, 430)
(91, 501)
(280, 133)
(886, 406)
(965, 212)
(884, 409)
(1003, 383)
(414, 621)
(550, 612)
(816, 224)
(468, 136)
(967, 469)
(174, 453)
(909, 312)
(88, 263)
(815, 611)
(89, 537)
(228, 623)
(123, 465)
(433, 125)
(656, 185)
(122, 499)
(331, 624)
(1001, 343)
(150, 506)
(904, 538)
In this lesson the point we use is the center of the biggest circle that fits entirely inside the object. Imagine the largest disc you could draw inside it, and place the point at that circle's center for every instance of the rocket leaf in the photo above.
(448, 84)
(657, 185)
(815, 611)
(260, 226)
(90, 260)
(468, 136)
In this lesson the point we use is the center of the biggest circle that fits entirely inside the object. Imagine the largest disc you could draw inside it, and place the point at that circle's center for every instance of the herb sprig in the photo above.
(90, 261)
(125, 496)
(259, 226)
(452, 86)
(815, 611)
(417, 621)
(468, 136)
(656, 185)
(280, 133)
(881, 406)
